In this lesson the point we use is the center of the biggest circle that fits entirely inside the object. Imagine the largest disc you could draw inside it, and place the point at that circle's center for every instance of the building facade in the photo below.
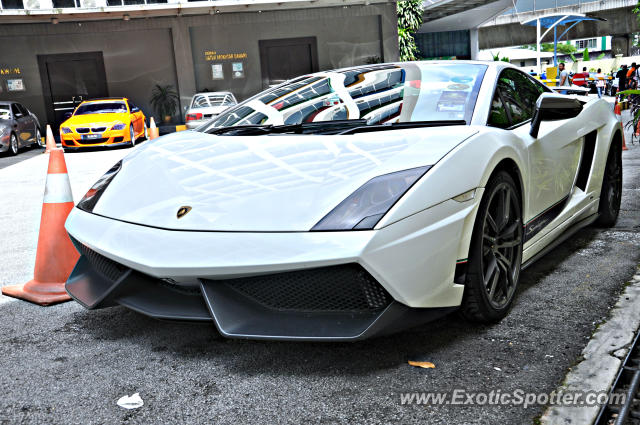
(52, 59)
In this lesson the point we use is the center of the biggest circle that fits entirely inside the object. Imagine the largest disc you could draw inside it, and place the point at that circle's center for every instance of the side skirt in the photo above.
(561, 238)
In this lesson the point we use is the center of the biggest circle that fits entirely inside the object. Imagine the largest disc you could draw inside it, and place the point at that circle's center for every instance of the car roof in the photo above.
(219, 93)
(7, 102)
(105, 99)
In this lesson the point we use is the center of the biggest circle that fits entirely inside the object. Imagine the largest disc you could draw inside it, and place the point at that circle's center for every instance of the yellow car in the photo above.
(103, 122)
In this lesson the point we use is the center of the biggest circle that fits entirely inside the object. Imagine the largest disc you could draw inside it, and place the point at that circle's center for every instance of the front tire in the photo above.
(13, 145)
(611, 192)
(132, 135)
(495, 253)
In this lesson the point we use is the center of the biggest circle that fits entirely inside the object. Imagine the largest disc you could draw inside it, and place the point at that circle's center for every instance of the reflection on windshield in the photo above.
(379, 94)
(101, 108)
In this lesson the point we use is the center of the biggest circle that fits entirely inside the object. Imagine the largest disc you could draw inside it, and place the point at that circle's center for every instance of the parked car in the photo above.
(611, 89)
(111, 121)
(19, 127)
(349, 203)
(206, 106)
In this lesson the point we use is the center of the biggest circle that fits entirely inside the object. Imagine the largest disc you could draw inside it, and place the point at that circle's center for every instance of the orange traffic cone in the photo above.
(56, 256)
(618, 111)
(153, 130)
(50, 142)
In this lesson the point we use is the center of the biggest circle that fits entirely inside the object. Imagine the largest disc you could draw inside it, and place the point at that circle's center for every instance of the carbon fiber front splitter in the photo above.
(234, 315)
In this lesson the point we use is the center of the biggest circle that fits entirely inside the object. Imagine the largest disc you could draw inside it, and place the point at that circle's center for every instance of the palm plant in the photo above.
(634, 98)
(164, 100)
(409, 21)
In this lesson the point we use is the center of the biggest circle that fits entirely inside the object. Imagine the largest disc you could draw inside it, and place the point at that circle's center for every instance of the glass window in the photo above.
(5, 113)
(209, 100)
(519, 95)
(59, 4)
(16, 111)
(101, 108)
(498, 116)
(409, 92)
(22, 109)
(12, 4)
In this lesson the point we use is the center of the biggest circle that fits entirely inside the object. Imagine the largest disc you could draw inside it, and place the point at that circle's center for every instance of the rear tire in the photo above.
(38, 138)
(611, 192)
(495, 253)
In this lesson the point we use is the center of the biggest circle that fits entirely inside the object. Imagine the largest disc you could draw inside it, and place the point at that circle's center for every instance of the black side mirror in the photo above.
(67, 115)
(553, 107)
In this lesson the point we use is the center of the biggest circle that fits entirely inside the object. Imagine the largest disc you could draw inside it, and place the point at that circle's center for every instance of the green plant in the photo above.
(164, 100)
(409, 22)
(600, 56)
(585, 54)
(634, 108)
(573, 58)
(504, 59)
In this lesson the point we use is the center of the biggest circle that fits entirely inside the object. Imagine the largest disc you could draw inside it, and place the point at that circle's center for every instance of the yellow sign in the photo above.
(212, 55)
(9, 71)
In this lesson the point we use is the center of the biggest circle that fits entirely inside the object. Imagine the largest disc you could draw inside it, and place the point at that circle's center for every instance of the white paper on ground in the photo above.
(132, 402)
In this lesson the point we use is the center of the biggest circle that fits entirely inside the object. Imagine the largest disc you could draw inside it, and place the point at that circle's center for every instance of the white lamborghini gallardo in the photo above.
(349, 203)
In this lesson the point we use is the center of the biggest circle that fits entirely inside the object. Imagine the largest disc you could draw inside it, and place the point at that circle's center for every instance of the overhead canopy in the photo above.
(452, 15)
(553, 22)
(549, 21)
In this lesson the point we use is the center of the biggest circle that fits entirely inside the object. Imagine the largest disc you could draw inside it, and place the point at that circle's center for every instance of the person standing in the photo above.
(622, 78)
(600, 82)
(632, 77)
(563, 78)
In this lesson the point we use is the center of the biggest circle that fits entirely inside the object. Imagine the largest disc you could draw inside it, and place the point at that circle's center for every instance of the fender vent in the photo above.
(588, 149)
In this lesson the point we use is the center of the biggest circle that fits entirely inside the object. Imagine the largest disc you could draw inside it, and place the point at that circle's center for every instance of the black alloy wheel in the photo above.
(495, 254)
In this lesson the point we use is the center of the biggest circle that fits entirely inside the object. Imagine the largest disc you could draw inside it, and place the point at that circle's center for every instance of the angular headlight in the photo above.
(119, 126)
(88, 202)
(365, 207)
(66, 130)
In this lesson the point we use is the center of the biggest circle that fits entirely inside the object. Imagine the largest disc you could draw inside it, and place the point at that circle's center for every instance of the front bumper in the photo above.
(185, 275)
(109, 138)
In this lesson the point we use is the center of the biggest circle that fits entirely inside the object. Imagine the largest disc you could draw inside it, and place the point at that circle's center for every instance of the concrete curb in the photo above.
(602, 358)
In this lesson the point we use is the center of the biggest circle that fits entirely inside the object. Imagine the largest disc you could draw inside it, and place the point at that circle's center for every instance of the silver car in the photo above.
(205, 106)
(18, 127)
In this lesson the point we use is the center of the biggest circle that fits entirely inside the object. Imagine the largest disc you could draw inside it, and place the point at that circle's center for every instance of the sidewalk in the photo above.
(604, 354)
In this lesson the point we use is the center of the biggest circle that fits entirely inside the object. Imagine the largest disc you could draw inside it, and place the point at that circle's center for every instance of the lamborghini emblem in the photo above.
(183, 211)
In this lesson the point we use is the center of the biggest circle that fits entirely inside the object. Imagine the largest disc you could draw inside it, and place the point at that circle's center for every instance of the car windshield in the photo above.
(5, 113)
(378, 94)
(208, 100)
(101, 108)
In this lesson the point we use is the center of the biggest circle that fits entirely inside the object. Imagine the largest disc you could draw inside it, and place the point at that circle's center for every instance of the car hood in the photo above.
(92, 119)
(260, 183)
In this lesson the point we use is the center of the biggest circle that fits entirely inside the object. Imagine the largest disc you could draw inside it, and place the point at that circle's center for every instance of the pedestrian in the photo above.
(622, 78)
(564, 80)
(600, 82)
(632, 77)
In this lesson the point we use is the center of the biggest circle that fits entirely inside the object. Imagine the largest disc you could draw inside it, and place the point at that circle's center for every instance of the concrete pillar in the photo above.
(185, 73)
(474, 43)
(621, 45)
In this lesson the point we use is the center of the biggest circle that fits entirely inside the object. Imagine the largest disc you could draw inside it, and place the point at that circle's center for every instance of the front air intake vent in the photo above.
(344, 288)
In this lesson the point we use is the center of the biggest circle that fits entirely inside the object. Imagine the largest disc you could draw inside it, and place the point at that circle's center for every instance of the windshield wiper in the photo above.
(324, 127)
(240, 130)
(401, 125)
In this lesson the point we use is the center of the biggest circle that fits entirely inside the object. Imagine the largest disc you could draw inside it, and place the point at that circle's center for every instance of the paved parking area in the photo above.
(62, 364)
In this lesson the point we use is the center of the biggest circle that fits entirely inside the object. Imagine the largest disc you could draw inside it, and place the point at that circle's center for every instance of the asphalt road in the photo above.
(63, 364)
(6, 159)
